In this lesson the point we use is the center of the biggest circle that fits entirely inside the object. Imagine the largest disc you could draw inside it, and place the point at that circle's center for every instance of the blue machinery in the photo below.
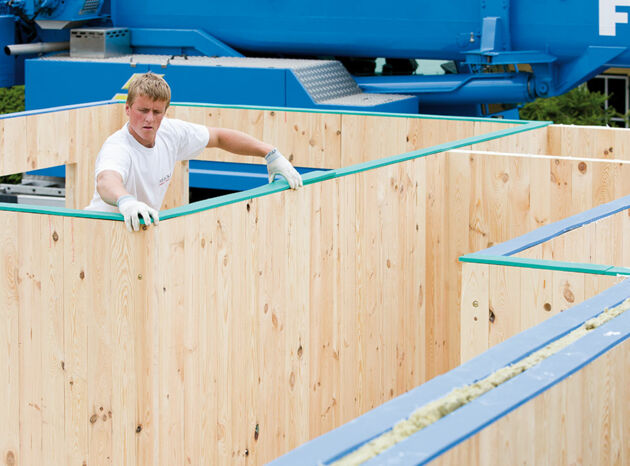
(503, 52)
(316, 55)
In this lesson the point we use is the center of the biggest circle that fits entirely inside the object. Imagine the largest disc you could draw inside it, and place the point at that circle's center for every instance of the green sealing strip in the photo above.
(281, 185)
(271, 188)
(524, 262)
(620, 271)
(355, 112)
(60, 211)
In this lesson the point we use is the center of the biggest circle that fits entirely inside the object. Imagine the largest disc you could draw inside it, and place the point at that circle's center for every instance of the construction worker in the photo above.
(135, 164)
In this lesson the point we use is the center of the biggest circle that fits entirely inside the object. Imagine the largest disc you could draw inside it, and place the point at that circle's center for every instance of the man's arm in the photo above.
(110, 187)
(237, 142)
(241, 143)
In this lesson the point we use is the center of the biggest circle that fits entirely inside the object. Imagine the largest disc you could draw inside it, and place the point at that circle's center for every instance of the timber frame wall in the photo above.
(571, 408)
(254, 322)
(517, 284)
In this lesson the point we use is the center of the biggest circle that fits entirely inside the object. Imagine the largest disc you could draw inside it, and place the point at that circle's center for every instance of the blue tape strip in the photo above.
(362, 429)
(57, 109)
(547, 232)
(428, 444)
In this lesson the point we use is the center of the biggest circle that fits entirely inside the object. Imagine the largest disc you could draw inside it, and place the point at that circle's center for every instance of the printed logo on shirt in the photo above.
(165, 179)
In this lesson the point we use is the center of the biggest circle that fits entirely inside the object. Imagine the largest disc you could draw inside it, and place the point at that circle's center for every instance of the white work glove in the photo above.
(131, 208)
(277, 164)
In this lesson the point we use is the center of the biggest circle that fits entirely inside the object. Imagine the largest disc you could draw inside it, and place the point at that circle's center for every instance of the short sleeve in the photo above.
(114, 157)
(192, 139)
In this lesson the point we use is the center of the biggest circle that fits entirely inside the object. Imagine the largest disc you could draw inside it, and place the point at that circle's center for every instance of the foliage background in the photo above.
(11, 101)
(577, 107)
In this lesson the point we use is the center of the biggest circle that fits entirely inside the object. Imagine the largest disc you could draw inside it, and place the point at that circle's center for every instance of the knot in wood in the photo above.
(582, 167)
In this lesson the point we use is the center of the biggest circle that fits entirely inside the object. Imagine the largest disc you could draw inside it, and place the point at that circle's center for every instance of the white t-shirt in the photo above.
(146, 172)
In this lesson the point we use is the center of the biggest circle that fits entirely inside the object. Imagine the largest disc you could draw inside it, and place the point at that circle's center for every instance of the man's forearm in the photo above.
(110, 187)
(240, 143)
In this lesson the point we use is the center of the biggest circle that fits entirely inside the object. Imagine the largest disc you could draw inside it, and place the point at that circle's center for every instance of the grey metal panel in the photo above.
(42, 200)
(99, 42)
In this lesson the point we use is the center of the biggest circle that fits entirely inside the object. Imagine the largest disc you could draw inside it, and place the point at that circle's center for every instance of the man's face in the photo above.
(145, 116)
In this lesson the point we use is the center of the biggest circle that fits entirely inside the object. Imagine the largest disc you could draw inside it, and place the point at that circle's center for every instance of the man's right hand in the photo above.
(278, 165)
(132, 209)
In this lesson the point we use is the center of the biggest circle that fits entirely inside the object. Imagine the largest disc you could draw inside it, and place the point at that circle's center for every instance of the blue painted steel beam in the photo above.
(225, 176)
(7, 63)
(455, 89)
(52, 83)
(230, 176)
(193, 38)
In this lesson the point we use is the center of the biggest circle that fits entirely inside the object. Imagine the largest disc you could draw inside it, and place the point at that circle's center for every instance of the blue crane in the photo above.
(314, 55)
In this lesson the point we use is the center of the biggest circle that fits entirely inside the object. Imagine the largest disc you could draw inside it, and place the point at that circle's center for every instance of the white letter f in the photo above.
(609, 17)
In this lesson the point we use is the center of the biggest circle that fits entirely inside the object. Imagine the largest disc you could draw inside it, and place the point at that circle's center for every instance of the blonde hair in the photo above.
(150, 85)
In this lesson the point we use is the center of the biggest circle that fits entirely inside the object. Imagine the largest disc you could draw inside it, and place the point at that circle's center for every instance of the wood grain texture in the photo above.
(9, 340)
(581, 420)
(600, 242)
(263, 363)
(517, 299)
(233, 335)
(30, 341)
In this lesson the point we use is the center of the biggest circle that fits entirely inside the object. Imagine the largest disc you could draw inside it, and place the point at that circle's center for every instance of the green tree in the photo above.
(11, 101)
(577, 107)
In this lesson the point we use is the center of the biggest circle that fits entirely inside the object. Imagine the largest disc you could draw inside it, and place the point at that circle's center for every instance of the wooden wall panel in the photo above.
(104, 288)
(314, 140)
(258, 345)
(499, 302)
(256, 326)
(591, 183)
(600, 242)
(14, 143)
(90, 128)
(69, 338)
(55, 138)
(581, 420)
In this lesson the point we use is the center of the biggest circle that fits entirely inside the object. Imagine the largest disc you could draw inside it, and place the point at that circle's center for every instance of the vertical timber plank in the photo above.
(30, 339)
(474, 309)
(171, 277)
(128, 278)
(10, 368)
(53, 364)
(191, 345)
(324, 349)
(102, 284)
(77, 297)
